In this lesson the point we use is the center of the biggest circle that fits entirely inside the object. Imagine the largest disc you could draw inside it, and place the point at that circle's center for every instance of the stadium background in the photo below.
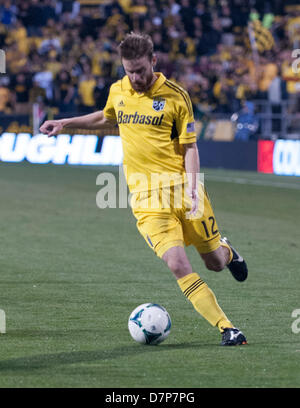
(235, 58)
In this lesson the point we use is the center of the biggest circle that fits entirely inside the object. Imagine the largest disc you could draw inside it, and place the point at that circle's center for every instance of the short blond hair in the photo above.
(136, 45)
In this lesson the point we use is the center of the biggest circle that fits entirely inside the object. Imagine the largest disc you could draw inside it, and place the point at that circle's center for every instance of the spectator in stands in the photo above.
(49, 11)
(101, 91)
(277, 91)
(209, 40)
(290, 73)
(36, 60)
(20, 87)
(34, 18)
(53, 63)
(160, 45)
(268, 70)
(37, 94)
(8, 13)
(173, 7)
(22, 13)
(226, 24)
(64, 92)
(50, 41)
(277, 94)
(5, 100)
(18, 34)
(16, 59)
(293, 29)
(225, 92)
(70, 7)
(185, 12)
(86, 90)
(44, 78)
(246, 123)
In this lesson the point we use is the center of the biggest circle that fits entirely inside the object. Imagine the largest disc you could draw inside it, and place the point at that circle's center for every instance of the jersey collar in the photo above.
(126, 85)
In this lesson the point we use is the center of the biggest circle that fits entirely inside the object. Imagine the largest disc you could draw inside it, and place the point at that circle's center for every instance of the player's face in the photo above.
(140, 72)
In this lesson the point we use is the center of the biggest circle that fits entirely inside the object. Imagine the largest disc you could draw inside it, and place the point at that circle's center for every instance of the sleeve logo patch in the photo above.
(190, 127)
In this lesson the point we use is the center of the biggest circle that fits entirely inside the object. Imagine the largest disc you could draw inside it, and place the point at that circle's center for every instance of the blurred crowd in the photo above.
(63, 54)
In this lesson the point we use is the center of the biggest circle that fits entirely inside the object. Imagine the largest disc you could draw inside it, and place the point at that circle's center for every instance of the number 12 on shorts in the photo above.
(209, 227)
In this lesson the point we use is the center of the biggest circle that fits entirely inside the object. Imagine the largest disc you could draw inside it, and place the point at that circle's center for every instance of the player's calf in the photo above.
(216, 260)
(215, 266)
(237, 265)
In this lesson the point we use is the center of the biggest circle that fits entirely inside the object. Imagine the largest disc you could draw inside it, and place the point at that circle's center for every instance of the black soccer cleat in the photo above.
(233, 337)
(237, 266)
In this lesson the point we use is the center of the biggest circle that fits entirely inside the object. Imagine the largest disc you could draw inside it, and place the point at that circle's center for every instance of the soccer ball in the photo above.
(149, 323)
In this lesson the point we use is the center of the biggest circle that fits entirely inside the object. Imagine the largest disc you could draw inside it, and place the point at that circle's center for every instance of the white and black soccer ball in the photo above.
(149, 323)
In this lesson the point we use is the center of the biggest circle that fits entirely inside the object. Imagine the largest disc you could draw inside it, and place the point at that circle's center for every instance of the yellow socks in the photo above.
(203, 300)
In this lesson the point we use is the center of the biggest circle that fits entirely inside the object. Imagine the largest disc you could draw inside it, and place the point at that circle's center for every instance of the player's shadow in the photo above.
(40, 361)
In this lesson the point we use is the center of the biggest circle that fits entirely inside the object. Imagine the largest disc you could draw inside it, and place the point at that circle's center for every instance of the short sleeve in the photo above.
(185, 122)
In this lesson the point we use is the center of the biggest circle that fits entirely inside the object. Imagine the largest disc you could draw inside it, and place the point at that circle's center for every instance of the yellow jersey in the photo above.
(153, 126)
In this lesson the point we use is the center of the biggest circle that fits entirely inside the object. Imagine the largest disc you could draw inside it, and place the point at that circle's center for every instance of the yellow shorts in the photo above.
(163, 221)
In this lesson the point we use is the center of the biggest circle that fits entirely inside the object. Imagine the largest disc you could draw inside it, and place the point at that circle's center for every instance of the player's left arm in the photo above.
(185, 125)
(192, 169)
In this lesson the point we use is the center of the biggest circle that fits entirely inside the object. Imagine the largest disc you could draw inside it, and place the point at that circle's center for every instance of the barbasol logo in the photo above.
(124, 118)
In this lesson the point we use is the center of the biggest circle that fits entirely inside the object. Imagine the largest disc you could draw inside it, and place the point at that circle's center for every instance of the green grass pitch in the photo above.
(72, 273)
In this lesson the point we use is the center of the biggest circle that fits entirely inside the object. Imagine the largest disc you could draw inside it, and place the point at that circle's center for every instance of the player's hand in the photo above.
(51, 127)
(193, 194)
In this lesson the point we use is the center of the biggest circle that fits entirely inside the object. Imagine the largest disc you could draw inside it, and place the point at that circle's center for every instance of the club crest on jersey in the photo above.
(158, 104)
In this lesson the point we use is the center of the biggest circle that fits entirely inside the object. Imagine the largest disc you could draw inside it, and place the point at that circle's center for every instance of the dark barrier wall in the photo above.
(228, 155)
(15, 123)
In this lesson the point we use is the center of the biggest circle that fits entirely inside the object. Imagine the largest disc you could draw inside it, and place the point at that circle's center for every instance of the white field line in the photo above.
(240, 180)
(225, 179)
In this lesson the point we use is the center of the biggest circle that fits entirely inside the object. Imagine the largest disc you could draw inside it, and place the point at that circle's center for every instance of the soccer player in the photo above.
(161, 162)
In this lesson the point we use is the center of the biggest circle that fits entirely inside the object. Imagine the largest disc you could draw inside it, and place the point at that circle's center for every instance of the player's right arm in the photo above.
(92, 121)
